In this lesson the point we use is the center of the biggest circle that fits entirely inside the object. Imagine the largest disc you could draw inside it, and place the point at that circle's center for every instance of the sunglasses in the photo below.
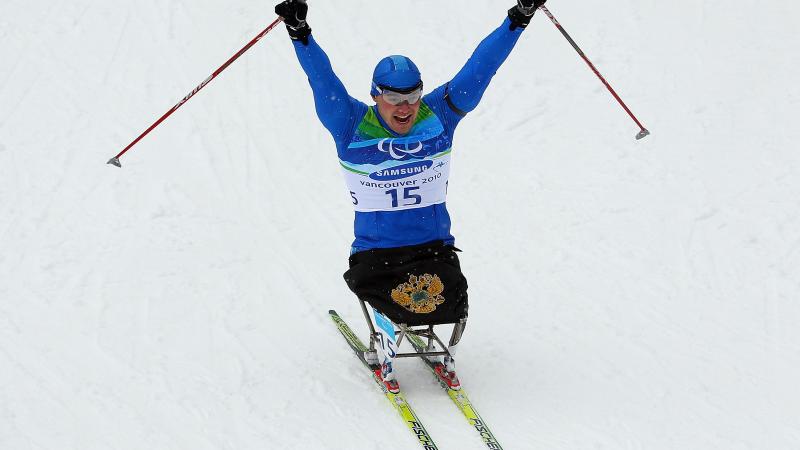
(395, 98)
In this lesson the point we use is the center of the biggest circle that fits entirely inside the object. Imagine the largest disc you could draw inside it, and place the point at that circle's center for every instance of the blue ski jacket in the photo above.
(361, 138)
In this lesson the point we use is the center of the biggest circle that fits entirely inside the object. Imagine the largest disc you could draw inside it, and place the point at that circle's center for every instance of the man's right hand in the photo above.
(294, 16)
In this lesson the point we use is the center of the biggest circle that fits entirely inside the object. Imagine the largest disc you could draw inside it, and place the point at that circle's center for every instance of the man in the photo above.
(395, 156)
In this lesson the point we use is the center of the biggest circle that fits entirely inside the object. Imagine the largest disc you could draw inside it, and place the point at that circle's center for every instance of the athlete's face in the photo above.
(400, 118)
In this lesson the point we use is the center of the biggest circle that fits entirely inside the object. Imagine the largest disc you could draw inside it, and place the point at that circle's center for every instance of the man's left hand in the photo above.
(522, 13)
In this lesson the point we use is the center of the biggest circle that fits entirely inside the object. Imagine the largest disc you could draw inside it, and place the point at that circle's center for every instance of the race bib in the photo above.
(398, 185)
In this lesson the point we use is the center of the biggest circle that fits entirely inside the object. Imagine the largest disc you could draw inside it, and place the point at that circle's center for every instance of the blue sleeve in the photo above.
(337, 111)
(467, 87)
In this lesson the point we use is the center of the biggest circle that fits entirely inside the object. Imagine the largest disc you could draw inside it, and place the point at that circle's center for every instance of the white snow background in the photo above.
(624, 294)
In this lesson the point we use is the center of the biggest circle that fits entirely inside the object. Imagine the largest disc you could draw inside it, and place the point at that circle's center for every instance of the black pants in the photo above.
(416, 285)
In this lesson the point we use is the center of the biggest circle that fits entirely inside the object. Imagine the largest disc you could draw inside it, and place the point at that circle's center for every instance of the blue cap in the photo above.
(396, 72)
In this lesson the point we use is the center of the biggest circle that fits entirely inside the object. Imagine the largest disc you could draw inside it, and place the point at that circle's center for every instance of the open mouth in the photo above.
(403, 120)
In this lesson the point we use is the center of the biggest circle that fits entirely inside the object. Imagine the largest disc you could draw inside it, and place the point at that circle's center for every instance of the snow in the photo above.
(624, 294)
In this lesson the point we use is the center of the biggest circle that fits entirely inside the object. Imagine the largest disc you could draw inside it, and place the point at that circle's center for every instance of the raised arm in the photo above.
(335, 108)
(464, 91)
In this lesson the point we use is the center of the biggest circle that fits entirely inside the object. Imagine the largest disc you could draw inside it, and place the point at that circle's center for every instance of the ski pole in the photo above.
(643, 131)
(115, 160)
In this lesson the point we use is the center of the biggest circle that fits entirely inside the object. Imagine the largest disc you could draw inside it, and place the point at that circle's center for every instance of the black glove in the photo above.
(294, 16)
(521, 14)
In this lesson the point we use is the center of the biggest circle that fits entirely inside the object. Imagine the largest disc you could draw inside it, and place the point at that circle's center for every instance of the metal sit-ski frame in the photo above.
(425, 332)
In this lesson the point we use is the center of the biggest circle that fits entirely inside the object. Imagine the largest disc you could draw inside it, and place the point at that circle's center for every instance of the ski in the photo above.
(460, 398)
(398, 401)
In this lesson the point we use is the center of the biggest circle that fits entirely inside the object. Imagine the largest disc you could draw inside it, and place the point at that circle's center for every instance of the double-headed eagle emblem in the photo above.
(421, 295)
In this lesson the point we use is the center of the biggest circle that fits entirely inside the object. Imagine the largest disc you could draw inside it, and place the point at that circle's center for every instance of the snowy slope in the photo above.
(624, 294)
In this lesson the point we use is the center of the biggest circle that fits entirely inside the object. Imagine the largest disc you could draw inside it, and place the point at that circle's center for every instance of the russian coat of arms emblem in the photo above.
(421, 294)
